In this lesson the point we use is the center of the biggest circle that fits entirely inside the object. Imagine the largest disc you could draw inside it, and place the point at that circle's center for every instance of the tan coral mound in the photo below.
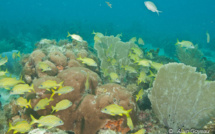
(58, 58)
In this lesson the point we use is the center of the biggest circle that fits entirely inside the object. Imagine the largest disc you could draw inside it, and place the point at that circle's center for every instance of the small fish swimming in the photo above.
(45, 41)
(3, 61)
(50, 84)
(129, 122)
(50, 121)
(137, 51)
(151, 6)
(22, 102)
(156, 65)
(142, 77)
(134, 57)
(43, 103)
(9, 82)
(44, 66)
(133, 39)
(208, 37)
(88, 61)
(22, 88)
(114, 77)
(141, 131)
(75, 37)
(15, 55)
(114, 109)
(139, 95)
(185, 44)
(21, 127)
(64, 104)
(108, 3)
(145, 63)
(3, 73)
(140, 41)
(129, 69)
(63, 90)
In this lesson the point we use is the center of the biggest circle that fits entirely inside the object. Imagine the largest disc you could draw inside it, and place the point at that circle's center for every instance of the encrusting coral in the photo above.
(181, 98)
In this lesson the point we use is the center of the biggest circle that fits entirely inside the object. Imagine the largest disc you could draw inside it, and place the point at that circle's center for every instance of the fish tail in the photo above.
(60, 84)
(68, 34)
(32, 87)
(127, 112)
(177, 42)
(33, 120)
(52, 109)
(29, 103)
(18, 54)
(10, 127)
(51, 98)
(158, 12)
(79, 58)
(93, 32)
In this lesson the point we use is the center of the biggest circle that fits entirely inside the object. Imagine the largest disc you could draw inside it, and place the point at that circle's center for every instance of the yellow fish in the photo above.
(43, 103)
(141, 77)
(50, 84)
(63, 90)
(88, 61)
(49, 121)
(21, 127)
(108, 3)
(140, 41)
(114, 77)
(129, 122)
(186, 44)
(145, 63)
(133, 39)
(137, 51)
(44, 67)
(9, 82)
(208, 37)
(141, 131)
(114, 109)
(134, 57)
(156, 65)
(129, 69)
(75, 37)
(22, 88)
(23, 102)
(64, 104)
(3, 61)
(15, 55)
(139, 95)
(3, 73)
(97, 34)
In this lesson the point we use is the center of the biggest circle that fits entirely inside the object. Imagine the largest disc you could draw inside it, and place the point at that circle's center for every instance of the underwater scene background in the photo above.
(107, 67)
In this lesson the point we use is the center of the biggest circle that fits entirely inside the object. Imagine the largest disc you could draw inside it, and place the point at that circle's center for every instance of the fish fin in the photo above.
(121, 114)
(29, 103)
(32, 87)
(68, 34)
(60, 84)
(26, 106)
(127, 112)
(14, 132)
(18, 54)
(158, 12)
(10, 127)
(52, 109)
(33, 120)
(177, 42)
(59, 94)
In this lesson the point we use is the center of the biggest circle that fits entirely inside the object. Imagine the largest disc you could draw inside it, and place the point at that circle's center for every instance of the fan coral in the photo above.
(180, 97)
(110, 47)
(192, 57)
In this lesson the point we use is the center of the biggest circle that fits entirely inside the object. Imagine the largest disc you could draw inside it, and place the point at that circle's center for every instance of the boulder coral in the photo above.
(58, 58)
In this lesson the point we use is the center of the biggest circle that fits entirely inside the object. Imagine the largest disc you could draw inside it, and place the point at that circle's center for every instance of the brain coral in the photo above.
(181, 98)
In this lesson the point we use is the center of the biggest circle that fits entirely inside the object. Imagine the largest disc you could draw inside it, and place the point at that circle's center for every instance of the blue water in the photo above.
(29, 21)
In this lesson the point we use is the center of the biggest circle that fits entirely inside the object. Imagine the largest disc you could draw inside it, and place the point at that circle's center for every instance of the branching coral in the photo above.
(192, 57)
(181, 98)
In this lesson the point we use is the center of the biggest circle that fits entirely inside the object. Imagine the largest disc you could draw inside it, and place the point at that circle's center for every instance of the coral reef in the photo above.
(174, 84)
(192, 57)
(111, 48)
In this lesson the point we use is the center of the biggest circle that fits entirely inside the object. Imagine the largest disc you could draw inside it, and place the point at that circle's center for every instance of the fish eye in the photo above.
(60, 122)
(105, 109)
